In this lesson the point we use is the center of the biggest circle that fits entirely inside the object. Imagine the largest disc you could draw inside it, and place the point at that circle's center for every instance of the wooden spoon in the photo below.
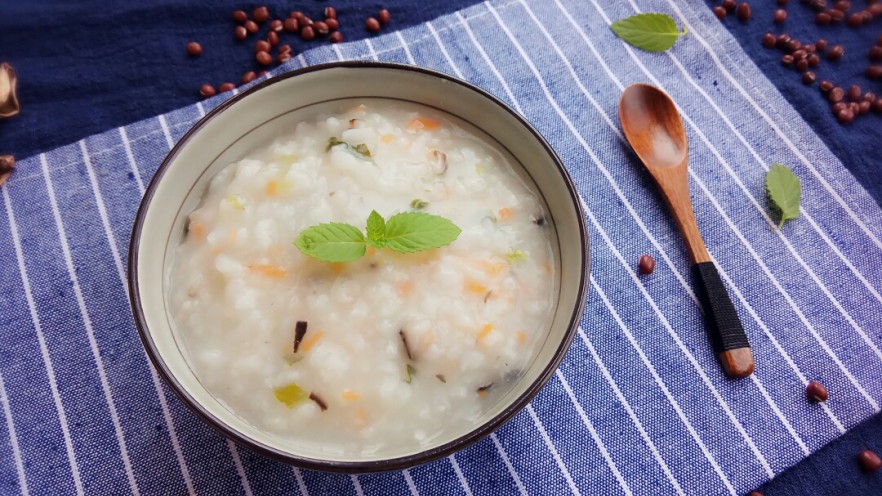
(656, 133)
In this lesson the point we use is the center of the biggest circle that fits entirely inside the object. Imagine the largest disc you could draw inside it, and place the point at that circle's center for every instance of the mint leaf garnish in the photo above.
(332, 242)
(376, 230)
(784, 190)
(418, 204)
(410, 232)
(360, 148)
(650, 31)
(332, 142)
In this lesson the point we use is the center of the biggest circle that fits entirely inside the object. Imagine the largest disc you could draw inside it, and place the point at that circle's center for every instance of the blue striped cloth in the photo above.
(639, 406)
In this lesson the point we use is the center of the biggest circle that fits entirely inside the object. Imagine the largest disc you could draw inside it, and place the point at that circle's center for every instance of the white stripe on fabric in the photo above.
(111, 240)
(793, 148)
(661, 384)
(756, 204)
(371, 50)
(409, 480)
(404, 46)
(552, 449)
(13, 439)
(240, 469)
(131, 156)
(168, 137)
(508, 465)
(444, 51)
(594, 435)
(464, 23)
(356, 485)
(459, 475)
(301, 484)
(90, 333)
(686, 352)
(780, 415)
(744, 302)
(336, 47)
(776, 344)
(691, 172)
(44, 349)
(633, 415)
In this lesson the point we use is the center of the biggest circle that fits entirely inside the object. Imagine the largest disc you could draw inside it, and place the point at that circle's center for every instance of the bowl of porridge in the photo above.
(359, 266)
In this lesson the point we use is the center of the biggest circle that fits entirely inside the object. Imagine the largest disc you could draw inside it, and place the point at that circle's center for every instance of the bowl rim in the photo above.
(368, 466)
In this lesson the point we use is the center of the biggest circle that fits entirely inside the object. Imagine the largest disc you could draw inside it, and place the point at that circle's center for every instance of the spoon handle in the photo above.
(723, 325)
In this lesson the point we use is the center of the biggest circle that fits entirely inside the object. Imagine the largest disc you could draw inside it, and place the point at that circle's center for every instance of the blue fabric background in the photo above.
(85, 68)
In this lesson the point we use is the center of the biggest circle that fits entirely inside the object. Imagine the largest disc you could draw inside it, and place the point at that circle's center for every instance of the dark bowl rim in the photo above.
(373, 465)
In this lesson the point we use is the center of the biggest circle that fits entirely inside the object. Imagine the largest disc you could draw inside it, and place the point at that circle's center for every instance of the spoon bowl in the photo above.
(654, 129)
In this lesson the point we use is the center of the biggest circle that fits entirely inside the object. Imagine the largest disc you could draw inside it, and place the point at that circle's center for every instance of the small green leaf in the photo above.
(376, 230)
(418, 204)
(291, 395)
(516, 256)
(332, 142)
(784, 190)
(236, 202)
(332, 242)
(649, 31)
(409, 232)
(410, 373)
(362, 149)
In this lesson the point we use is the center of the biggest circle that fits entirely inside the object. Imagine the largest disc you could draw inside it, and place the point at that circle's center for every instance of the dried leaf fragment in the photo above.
(7, 165)
(8, 100)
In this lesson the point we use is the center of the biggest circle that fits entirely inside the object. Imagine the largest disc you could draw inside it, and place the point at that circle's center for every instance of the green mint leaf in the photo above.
(784, 190)
(332, 242)
(409, 232)
(376, 230)
(650, 31)
(516, 256)
(418, 204)
(362, 149)
(332, 142)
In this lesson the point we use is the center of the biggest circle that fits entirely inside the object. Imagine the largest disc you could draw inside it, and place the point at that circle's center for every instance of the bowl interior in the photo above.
(260, 115)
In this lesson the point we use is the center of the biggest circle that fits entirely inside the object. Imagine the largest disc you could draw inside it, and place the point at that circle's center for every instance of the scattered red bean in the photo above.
(307, 33)
(384, 16)
(769, 40)
(782, 2)
(864, 107)
(336, 37)
(809, 48)
(285, 48)
(836, 52)
(240, 16)
(818, 4)
(802, 65)
(262, 46)
(869, 461)
(874, 72)
(194, 49)
(283, 57)
(264, 58)
(813, 60)
(372, 24)
(793, 45)
(843, 5)
(808, 77)
(273, 38)
(783, 39)
(855, 20)
(825, 86)
(240, 33)
(822, 18)
(277, 26)
(729, 5)
(836, 15)
(226, 87)
(854, 93)
(839, 107)
(248, 77)
(646, 264)
(799, 54)
(332, 23)
(876, 53)
(821, 45)
(330, 13)
(296, 15)
(207, 90)
(877, 105)
(320, 27)
(787, 60)
(291, 25)
(869, 97)
(262, 73)
(260, 14)
(814, 390)
(304, 21)
(720, 12)
(755, 493)
(251, 27)
(743, 11)
(780, 16)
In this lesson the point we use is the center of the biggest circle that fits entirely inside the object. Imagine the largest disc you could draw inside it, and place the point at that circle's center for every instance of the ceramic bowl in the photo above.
(257, 115)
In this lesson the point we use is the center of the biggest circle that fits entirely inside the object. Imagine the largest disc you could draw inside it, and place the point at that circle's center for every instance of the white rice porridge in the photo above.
(397, 348)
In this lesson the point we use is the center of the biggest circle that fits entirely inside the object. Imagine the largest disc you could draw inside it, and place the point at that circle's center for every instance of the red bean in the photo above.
(874, 72)
(248, 77)
(264, 58)
(291, 25)
(801, 65)
(836, 52)
(720, 12)
(224, 87)
(839, 107)
(869, 97)
(194, 49)
(262, 46)
(240, 33)
(240, 16)
(285, 48)
(273, 38)
(854, 93)
(283, 57)
(808, 77)
(251, 26)
(869, 461)
(744, 11)
(876, 53)
(372, 24)
(821, 45)
(296, 15)
(330, 13)
(836, 15)
(332, 23)
(822, 18)
(855, 20)
(787, 60)
(729, 5)
(780, 16)
(816, 392)
(307, 33)
(260, 14)
(845, 116)
(813, 60)
(864, 107)
(207, 90)
(646, 264)
(836, 94)
(825, 86)
(384, 16)
(755, 493)
(843, 5)
(320, 27)
(769, 40)
(336, 37)
(276, 26)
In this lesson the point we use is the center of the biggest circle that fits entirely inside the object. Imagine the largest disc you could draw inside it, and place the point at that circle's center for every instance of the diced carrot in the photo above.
(272, 188)
(337, 267)
(309, 343)
(405, 287)
(387, 138)
(269, 270)
(485, 331)
(522, 337)
(475, 287)
(197, 230)
(548, 268)
(350, 395)
(482, 393)
(423, 123)
(505, 213)
(492, 268)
